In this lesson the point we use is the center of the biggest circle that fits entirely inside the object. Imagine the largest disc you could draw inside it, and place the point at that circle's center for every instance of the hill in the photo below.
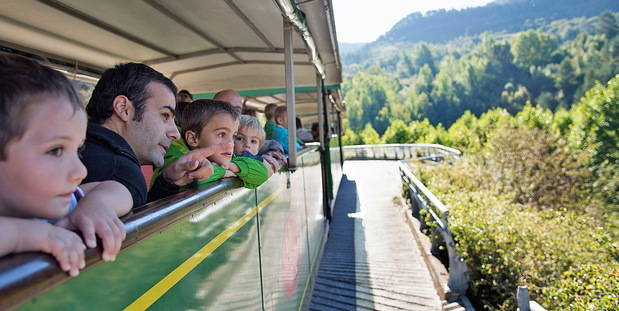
(499, 17)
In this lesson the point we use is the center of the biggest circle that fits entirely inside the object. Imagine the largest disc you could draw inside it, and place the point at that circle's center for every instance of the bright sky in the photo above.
(365, 20)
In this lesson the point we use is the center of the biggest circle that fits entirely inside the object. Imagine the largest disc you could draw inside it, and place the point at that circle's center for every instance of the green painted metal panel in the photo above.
(229, 279)
(285, 268)
(267, 262)
(113, 286)
(336, 164)
(316, 221)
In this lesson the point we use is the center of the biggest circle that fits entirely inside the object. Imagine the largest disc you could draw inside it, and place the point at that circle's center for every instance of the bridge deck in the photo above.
(371, 261)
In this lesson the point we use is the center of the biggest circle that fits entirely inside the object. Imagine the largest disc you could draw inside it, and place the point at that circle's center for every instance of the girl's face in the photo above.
(247, 140)
(42, 168)
(219, 130)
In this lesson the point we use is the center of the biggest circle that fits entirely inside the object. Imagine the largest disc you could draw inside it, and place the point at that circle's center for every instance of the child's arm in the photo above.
(218, 173)
(23, 235)
(97, 213)
(253, 173)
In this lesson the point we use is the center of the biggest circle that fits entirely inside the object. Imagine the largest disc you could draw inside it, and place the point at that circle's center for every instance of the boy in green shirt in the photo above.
(205, 123)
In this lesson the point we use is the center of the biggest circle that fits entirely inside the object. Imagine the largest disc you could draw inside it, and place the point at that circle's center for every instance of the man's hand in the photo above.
(277, 156)
(271, 164)
(93, 218)
(193, 165)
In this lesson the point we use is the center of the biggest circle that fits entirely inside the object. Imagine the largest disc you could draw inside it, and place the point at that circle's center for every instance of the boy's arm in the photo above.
(23, 235)
(218, 173)
(97, 215)
(253, 173)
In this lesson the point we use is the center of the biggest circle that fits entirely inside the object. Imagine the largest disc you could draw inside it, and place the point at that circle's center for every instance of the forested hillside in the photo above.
(499, 17)
(551, 67)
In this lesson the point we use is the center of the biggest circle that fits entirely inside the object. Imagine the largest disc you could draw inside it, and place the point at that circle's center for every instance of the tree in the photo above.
(369, 136)
(533, 48)
(397, 133)
(607, 25)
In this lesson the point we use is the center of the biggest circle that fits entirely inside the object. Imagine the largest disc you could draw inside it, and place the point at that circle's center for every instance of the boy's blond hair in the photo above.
(269, 111)
(250, 122)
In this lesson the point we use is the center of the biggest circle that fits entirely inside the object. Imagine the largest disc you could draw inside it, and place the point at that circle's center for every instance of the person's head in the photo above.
(42, 126)
(299, 124)
(184, 96)
(208, 122)
(231, 97)
(315, 132)
(249, 112)
(138, 103)
(269, 111)
(281, 116)
(249, 137)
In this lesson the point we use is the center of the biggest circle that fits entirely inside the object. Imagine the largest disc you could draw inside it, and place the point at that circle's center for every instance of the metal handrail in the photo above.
(423, 199)
(398, 151)
(25, 275)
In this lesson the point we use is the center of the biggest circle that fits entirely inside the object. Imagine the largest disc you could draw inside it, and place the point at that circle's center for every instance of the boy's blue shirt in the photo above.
(280, 135)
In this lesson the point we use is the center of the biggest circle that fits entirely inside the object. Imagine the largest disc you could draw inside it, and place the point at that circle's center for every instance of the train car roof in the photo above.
(204, 46)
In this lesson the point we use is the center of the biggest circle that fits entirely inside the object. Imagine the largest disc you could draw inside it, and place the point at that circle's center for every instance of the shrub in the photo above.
(517, 215)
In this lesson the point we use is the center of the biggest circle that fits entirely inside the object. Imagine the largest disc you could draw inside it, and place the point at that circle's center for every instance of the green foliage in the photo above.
(533, 48)
(517, 215)
(608, 25)
(441, 82)
(369, 136)
(397, 133)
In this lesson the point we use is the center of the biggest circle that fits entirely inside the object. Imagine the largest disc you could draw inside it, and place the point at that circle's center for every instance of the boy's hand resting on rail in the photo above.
(27, 235)
(97, 215)
(193, 166)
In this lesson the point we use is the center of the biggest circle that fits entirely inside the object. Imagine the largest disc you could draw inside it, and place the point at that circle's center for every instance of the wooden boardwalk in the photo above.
(371, 260)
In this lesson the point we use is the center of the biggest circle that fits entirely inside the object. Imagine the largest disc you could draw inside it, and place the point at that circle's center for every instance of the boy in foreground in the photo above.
(42, 126)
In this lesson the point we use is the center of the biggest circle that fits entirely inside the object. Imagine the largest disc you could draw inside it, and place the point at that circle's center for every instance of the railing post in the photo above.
(290, 96)
(458, 271)
(522, 296)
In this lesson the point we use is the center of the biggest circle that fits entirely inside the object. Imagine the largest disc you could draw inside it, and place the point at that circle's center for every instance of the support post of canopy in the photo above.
(321, 119)
(290, 96)
(320, 95)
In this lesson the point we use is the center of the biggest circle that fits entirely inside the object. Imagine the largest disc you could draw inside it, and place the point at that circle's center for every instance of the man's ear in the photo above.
(192, 139)
(123, 108)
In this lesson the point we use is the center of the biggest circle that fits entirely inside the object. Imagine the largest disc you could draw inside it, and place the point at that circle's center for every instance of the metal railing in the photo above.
(25, 275)
(399, 152)
(422, 199)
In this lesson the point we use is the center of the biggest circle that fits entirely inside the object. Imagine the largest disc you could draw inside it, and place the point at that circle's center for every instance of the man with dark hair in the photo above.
(131, 123)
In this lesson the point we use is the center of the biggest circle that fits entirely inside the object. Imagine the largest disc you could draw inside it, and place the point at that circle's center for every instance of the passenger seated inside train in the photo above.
(42, 126)
(183, 98)
(206, 123)
(303, 134)
(269, 126)
(280, 134)
(231, 97)
(249, 139)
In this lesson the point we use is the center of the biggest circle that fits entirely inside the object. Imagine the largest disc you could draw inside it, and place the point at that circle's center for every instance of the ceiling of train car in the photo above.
(172, 36)
(204, 46)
